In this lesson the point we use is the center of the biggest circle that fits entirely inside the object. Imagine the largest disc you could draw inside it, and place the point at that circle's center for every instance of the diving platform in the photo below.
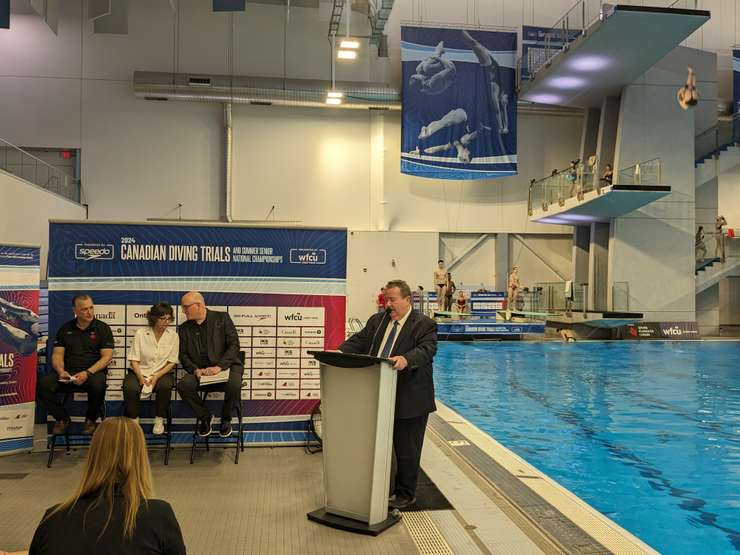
(594, 319)
(605, 52)
(601, 205)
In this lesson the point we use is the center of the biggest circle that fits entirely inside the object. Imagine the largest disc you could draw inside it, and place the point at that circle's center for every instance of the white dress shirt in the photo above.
(401, 322)
(151, 354)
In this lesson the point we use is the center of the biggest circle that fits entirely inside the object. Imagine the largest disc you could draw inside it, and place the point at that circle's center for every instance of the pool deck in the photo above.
(500, 503)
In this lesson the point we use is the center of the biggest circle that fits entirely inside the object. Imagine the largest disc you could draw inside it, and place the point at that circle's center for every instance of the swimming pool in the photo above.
(648, 433)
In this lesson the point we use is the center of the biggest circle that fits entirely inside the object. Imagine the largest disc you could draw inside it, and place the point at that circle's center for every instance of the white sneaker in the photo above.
(158, 428)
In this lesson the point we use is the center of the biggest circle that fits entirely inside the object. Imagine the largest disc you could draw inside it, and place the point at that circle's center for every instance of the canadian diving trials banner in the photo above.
(459, 103)
(284, 290)
(19, 333)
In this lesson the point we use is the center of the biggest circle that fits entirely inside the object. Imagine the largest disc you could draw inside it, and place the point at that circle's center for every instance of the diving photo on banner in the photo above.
(283, 289)
(459, 103)
(19, 334)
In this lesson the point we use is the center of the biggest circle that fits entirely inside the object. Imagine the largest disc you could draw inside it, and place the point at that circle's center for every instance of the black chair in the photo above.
(52, 441)
(239, 438)
(203, 392)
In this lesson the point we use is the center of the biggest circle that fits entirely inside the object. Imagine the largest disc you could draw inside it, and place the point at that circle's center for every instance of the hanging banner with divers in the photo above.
(539, 44)
(19, 333)
(459, 103)
(284, 289)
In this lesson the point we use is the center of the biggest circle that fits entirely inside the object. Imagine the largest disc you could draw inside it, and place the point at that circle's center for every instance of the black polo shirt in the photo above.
(82, 347)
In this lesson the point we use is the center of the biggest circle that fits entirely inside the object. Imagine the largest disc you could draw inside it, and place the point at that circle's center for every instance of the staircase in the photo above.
(711, 271)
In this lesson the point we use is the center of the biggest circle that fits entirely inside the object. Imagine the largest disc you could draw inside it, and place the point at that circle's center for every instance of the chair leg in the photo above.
(168, 439)
(192, 450)
(52, 444)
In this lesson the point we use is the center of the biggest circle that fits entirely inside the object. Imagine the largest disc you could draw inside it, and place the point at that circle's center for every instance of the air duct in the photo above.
(262, 90)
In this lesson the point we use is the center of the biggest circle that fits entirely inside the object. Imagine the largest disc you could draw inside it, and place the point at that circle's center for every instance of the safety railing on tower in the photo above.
(711, 142)
(581, 178)
(20, 163)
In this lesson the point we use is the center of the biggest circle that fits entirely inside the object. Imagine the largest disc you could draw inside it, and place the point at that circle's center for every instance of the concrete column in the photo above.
(501, 261)
(377, 176)
(580, 256)
(607, 134)
(598, 267)
(652, 248)
(590, 133)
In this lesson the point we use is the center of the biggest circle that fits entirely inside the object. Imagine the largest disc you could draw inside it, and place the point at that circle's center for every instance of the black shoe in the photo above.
(204, 426)
(401, 502)
(225, 429)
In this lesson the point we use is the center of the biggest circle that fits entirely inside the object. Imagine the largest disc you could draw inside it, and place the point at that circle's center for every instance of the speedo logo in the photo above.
(93, 251)
(308, 256)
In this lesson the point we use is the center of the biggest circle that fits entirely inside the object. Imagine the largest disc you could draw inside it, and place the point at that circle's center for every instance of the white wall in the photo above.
(374, 258)
(556, 251)
(27, 210)
(729, 197)
(477, 269)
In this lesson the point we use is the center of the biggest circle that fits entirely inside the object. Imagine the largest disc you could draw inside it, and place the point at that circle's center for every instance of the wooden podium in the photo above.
(358, 401)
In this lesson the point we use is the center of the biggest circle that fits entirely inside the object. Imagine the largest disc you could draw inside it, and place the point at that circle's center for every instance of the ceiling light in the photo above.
(352, 44)
(346, 54)
(333, 101)
(334, 94)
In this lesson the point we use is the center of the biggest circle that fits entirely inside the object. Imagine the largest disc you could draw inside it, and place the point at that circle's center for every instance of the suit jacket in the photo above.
(222, 341)
(417, 341)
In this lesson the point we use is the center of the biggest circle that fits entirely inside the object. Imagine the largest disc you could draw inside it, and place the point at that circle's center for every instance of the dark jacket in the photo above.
(223, 342)
(417, 341)
(156, 532)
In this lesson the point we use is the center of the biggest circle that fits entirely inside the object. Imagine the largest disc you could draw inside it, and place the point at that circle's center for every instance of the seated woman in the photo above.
(112, 510)
(687, 95)
(153, 355)
(461, 303)
(608, 176)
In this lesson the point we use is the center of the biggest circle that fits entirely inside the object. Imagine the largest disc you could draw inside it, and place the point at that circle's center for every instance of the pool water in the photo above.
(648, 433)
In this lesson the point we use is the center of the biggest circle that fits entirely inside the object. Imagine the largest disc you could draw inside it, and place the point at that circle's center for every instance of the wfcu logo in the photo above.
(308, 256)
(93, 251)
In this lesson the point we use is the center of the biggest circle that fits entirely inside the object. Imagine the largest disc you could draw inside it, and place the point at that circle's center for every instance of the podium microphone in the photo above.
(387, 312)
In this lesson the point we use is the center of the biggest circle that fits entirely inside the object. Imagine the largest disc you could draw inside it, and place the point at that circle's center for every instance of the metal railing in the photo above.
(643, 173)
(621, 296)
(567, 29)
(575, 23)
(582, 178)
(710, 142)
(20, 163)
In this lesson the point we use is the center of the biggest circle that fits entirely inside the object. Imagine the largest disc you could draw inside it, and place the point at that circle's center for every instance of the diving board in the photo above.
(613, 52)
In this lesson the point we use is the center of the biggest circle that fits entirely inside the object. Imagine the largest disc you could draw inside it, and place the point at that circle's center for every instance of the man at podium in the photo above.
(409, 339)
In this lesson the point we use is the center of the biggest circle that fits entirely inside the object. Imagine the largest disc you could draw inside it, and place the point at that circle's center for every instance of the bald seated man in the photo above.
(208, 344)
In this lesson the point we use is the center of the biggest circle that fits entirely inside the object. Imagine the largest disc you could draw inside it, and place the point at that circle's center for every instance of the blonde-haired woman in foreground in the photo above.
(112, 510)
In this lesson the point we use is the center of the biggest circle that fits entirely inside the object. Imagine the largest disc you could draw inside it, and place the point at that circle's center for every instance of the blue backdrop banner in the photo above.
(284, 289)
(459, 103)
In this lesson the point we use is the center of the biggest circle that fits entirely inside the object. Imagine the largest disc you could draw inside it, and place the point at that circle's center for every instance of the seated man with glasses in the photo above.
(151, 360)
(208, 344)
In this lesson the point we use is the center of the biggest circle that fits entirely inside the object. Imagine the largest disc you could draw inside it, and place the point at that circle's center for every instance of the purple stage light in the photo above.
(544, 98)
(566, 82)
(592, 62)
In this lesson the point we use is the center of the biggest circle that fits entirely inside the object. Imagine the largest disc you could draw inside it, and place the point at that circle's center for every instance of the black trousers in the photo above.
(132, 395)
(49, 389)
(188, 389)
(408, 438)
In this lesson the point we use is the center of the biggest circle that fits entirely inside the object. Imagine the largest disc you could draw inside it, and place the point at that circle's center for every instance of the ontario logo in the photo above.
(94, 251)
(308, 256)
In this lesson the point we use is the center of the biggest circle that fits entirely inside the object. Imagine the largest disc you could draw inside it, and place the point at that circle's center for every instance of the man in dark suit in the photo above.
(208, 344)
(409, 339)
